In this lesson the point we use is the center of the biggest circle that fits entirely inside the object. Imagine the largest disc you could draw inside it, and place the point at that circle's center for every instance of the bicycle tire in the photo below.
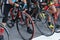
(42, 28)
(30, 36)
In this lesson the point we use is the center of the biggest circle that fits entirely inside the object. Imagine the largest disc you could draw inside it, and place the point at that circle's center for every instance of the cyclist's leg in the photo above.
(54, 12)
(29, 30)
(27, 19)
(5, 13)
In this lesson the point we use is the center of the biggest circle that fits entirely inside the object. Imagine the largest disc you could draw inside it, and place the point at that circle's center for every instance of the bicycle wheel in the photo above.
(4, 32)
(22, 28)
(42, 23)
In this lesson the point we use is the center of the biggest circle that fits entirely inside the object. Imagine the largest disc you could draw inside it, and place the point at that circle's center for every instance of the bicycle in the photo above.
(41, 18)
(18, 19)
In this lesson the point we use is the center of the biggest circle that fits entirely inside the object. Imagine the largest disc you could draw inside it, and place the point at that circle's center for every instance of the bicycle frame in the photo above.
(19, 15)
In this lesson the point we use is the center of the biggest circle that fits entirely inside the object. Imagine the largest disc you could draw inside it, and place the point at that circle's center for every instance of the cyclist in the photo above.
(51, 9)
(7, 6)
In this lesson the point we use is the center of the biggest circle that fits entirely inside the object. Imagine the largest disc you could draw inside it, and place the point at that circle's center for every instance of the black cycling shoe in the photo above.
(29, 30)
